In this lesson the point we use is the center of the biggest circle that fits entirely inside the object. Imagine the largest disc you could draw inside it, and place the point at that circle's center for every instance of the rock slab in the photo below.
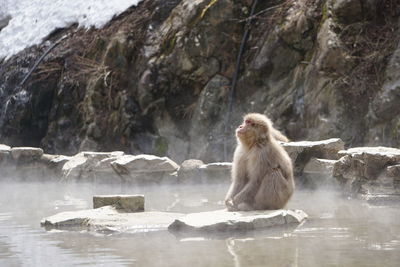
(223, 220)
(125, 203)
(109, 218)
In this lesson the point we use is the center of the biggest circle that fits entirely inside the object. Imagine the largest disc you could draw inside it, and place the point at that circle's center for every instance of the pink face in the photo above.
(245, 126)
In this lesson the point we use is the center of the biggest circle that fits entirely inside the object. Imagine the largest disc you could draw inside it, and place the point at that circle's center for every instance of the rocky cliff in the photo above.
(157, 78)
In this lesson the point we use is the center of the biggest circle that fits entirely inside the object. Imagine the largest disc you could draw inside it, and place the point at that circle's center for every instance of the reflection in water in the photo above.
(338, 232)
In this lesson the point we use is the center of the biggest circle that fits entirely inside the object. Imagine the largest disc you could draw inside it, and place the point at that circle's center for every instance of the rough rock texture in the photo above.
(26, 153)
(319, 172)
(369, 172)
(106, 167)
(156, 79)
(222, 220)
(302, 152)
(189, 170)
(125, 203)
(110, 219)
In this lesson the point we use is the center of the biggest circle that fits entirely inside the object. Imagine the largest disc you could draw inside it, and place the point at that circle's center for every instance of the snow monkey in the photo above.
(262, 172)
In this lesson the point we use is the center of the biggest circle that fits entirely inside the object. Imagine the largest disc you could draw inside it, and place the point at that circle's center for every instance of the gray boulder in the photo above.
(216, 172)
(369, 172)
(319, 172)
(189, 171)
(195, 171)
(146, 169)
(302, 152)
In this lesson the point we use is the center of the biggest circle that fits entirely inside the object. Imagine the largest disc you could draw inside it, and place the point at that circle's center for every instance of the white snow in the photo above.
(33, 20)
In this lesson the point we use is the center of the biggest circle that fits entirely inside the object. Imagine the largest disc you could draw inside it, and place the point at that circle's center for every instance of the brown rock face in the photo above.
(156, 79)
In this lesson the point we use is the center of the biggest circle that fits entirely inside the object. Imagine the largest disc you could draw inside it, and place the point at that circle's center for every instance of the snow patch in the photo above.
(33, 20)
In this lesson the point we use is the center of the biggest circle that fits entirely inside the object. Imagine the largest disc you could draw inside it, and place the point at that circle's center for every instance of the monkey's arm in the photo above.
(238, 176)
(248, 192)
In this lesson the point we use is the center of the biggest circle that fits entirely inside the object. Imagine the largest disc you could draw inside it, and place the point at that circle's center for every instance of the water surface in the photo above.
(339, 232)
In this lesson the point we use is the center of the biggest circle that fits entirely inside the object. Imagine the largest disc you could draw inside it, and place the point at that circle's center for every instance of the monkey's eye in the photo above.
(249, 122)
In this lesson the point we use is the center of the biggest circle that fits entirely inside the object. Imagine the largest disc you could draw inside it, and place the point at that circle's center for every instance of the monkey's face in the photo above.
(250, 130)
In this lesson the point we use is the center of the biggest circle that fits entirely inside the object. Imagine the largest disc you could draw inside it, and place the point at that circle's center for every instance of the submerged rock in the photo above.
(109, 218)
(223, 220)
(125, 203)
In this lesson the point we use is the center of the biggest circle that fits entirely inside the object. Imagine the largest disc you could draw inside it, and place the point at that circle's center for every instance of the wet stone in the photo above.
(126, 203)
(224, 221)
(110, 219)
(26, 153)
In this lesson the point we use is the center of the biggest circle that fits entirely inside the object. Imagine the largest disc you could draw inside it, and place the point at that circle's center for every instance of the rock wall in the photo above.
(156, 79)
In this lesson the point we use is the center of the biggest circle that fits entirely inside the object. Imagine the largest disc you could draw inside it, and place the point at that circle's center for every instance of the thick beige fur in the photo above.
(262, 172)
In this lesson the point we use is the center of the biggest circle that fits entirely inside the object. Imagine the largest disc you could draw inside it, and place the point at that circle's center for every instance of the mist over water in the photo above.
(339, 231)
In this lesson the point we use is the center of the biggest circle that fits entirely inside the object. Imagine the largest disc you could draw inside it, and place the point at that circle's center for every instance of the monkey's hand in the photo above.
(229, 204)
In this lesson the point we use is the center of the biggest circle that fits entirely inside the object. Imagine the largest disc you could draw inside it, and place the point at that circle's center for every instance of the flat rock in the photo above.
(382, 199)
(26, 153)
(302, 152)
(217, 166)
(327, 149)
(126, 203)
(109, 218)
(380, 151)
(223, 220)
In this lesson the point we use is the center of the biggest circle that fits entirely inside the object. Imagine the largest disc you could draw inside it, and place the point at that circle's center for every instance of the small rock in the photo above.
(222, 220)
(127, 203)
(4, 152)
(26, 153)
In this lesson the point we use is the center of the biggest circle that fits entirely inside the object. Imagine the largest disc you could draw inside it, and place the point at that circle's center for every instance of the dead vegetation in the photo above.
(370, 43)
